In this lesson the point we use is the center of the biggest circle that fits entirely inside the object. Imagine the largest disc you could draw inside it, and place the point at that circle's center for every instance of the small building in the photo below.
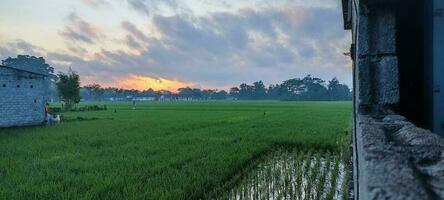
(22, 97)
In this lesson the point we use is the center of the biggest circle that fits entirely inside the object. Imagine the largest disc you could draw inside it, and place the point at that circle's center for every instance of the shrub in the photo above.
(78, 109)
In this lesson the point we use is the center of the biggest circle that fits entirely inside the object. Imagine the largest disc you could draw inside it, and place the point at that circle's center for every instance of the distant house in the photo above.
(22, 97)
(144, 98)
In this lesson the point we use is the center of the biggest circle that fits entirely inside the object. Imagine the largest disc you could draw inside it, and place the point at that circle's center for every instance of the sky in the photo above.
(168, 44)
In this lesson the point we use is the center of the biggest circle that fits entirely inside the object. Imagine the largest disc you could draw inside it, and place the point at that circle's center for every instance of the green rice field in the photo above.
(182, 150)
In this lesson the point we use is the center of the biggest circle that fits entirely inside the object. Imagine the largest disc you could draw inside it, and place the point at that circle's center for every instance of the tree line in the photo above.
(66, 88)
(94, 92)
(298, 89)
(308, 88)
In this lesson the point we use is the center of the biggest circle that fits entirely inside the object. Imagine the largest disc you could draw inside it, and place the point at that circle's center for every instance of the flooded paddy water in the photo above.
(292, 174)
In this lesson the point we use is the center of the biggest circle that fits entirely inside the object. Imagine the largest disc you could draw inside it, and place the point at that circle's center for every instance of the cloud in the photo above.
(78, 50)
(12, 49)
(5, 53)
(226, 48)
(80, 30)
(96, 3)
(135, 39)
(131, 28)
(223, 47)
(133, 43)
(218, 49)
(148, 7)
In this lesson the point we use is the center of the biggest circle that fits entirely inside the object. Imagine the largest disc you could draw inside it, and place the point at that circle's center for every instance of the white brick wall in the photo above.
(21, 98)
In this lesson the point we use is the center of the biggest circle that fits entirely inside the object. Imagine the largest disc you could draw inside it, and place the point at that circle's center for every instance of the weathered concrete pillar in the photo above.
(376, 64)
(392, 158)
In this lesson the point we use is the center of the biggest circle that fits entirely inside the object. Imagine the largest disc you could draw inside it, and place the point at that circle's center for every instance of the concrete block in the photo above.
(377, 81)
(377, 31)
(386, 80)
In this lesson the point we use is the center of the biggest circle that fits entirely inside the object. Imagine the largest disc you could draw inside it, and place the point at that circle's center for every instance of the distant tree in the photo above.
(308, 88)
(314, 89)
(274, 92)
(208, 94)
(165, 94)
(246, 91)
(95, 91)
(196, 93)
(292, 89)
(221, 95)
(338, 91)
(185, 92)
(68, 87)
(259, 91)
(150, 92)
(234, 92)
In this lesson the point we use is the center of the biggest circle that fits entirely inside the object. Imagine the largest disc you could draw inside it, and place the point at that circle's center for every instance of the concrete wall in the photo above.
(396, 160)
(438, 66)
(392, 157)
(21, 98)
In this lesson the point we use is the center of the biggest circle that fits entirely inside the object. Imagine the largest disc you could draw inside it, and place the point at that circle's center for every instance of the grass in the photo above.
(180, 150)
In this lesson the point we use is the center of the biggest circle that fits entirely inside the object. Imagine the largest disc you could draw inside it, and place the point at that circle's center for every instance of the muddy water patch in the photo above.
(291, 174)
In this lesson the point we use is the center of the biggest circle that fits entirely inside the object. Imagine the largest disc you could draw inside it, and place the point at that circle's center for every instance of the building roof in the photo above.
(23, 70)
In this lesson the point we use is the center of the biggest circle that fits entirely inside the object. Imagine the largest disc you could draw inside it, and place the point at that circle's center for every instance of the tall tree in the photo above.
(314, 89)
(259, 90)
(338, 91)
(246, 91)
(274, 92)
(292, 89)
(68, 87)
(234, 92)
(221, 95)
(196, 93)
(186, 92)
(208, 94)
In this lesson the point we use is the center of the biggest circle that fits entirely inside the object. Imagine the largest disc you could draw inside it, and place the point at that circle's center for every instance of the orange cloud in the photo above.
(146, 82)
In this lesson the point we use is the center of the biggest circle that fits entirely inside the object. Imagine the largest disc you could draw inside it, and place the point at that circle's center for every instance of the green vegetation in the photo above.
(278, 176)
(180, 150)
(68, 88)
(308, 88)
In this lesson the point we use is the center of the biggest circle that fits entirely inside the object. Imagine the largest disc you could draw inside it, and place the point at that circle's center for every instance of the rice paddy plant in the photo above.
(175, 150)
(322, 179)
(292, 174)
(334, 178)
(299, 173)
(306, 170)
(346, 159)
(312, 175)
(346, 185)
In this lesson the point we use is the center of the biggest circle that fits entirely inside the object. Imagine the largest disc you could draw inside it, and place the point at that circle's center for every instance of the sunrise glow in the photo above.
(145, 82)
